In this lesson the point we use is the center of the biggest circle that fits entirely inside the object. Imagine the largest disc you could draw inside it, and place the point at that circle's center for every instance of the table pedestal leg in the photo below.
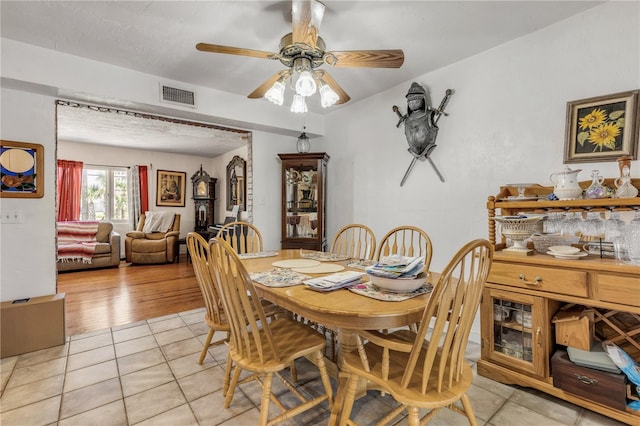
(348, 342)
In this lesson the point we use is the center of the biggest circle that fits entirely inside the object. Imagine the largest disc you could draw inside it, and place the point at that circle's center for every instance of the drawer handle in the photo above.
(536, 282)
(586, 380)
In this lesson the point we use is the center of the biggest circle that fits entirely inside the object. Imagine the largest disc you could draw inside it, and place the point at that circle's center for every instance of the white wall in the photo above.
(506, 124)
(27, 249)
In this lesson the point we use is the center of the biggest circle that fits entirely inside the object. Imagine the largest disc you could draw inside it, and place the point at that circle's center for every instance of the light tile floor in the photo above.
(146, 373)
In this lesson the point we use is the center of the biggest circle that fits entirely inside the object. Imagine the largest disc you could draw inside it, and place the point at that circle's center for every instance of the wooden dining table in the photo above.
(344, 311)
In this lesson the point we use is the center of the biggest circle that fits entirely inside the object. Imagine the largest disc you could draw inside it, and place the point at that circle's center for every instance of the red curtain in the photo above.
(69, 189)
(144, 188)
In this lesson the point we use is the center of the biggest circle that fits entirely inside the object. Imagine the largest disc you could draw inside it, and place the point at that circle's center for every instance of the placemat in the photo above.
(295, 263)
(258, 254)
(369, 290)
(323, 256)
(278, 278)
(361, 263)
(323, 268)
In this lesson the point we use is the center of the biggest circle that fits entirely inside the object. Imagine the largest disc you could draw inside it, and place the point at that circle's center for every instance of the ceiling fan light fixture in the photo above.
(298, 105)
(306, 86)
(276, 93)
(327, 96)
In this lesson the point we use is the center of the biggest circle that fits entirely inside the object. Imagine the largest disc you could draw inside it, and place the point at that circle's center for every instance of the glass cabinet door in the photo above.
(303, 195)
(516, 331)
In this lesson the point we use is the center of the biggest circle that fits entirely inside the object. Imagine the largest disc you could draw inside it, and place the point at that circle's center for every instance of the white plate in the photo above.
(567, 256)
(564, 250)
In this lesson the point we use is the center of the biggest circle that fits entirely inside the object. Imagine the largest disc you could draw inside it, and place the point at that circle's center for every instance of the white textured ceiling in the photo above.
(142, 131)
(159, 37)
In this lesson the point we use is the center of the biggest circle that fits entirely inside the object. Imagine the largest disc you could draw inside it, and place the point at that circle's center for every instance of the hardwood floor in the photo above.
(102, 298)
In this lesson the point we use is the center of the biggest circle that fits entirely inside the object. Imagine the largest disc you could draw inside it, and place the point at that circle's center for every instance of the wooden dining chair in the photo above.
(214, 316)
(243, 237)
(416, 372)
(406, 241)
(356, 241)
(261, 347)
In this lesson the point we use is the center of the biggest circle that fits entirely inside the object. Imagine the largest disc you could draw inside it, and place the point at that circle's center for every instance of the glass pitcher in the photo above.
(596, 189)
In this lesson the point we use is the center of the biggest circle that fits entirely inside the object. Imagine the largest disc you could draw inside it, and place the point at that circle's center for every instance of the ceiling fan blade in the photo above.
(216, 48)
(306, 16)
(366, 58)
(327, 79)
(262, 89)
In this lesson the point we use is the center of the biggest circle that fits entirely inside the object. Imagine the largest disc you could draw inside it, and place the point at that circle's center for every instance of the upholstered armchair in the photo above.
(146, 246)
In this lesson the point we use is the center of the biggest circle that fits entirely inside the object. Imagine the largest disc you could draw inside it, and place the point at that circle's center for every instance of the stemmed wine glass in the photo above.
(293, 221)
(313, 223)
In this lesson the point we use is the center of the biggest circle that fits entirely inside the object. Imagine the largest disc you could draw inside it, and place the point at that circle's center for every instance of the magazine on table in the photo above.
(397, 266)
(335, 281)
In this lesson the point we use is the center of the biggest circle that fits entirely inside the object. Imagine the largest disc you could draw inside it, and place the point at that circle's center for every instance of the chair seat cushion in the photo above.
(148, 246)
(102, 248)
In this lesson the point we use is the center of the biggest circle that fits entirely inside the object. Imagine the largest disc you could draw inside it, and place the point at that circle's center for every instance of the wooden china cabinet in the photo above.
(523, 293)
(303, 200)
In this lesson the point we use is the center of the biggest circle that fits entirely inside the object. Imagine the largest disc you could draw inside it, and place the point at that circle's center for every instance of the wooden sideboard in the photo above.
(523, 293)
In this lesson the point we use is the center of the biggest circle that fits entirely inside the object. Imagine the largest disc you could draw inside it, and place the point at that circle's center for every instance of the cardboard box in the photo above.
(575, 328)
(31, 324)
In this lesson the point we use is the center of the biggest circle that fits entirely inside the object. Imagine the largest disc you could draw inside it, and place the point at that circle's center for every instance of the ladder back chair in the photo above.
(214, 317)
(261, 347)
(406, 241)
(355, 240)
(243, 237)
(418, 373)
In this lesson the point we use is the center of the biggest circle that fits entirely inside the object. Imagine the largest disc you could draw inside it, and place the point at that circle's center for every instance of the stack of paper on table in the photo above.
(397, 266)
(335, 281)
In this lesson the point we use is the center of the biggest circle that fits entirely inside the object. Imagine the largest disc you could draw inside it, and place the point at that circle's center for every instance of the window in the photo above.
(104, 194)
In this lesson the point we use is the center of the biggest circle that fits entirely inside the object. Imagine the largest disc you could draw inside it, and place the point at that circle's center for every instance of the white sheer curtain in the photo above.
(134, 196)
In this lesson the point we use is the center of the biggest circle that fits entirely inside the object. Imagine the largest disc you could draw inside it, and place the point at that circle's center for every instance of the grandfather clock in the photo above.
(204, 195)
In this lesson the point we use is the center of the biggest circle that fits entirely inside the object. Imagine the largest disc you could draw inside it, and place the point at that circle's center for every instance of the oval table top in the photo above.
(339, 308)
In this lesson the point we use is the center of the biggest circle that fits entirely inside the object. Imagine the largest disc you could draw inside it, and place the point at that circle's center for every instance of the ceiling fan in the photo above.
(303, 51)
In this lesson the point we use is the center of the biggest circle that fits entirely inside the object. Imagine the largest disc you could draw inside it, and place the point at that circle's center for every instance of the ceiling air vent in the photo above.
(177, 96)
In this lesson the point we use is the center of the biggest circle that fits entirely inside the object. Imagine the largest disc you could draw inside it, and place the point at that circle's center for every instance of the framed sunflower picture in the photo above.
(602, 128)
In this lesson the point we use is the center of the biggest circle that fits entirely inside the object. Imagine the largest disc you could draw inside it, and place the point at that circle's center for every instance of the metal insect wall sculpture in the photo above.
(421, 125)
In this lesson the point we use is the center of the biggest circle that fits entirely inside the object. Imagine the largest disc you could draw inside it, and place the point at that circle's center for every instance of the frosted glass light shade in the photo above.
(327, 96)
(303, 145)
(276, 93)
(298, 105)
(306, 86)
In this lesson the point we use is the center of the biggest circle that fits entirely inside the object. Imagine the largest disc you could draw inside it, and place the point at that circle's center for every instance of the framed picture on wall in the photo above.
(170, 190)
(602, 128)
(21, 170)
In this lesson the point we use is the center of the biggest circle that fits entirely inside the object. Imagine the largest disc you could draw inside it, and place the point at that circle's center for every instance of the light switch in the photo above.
(11, 216)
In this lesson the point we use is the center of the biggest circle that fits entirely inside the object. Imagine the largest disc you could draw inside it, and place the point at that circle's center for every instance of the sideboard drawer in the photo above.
(563, 281)
(619, 289)
(606, 388)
